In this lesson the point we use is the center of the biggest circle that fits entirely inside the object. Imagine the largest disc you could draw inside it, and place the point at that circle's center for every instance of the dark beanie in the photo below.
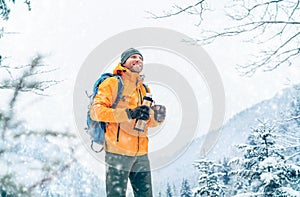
(126, 54)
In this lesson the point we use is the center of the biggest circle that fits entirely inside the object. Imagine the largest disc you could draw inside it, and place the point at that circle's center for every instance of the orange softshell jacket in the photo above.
(120, 137)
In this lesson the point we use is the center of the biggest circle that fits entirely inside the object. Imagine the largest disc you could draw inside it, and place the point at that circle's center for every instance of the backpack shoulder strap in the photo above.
(120, 90)
(120, 86)
(146, 88)
(100, 80)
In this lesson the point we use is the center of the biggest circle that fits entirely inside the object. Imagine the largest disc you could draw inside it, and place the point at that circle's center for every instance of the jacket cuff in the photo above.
(128, 113)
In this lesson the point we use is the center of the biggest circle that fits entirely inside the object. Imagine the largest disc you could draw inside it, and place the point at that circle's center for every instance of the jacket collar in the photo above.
(128, 75)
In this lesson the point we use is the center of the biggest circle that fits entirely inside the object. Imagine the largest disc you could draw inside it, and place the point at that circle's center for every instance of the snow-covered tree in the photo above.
(29, 159)
(185, 190)
(209, 179)
(228, 179)
(8, 187)
(289, 127)
(159, 194)
(36, 162)
(264, 168)
(296, 111)
(225, 169)
(169, 191)
(5, 8)
(175, 192)
(295, 107)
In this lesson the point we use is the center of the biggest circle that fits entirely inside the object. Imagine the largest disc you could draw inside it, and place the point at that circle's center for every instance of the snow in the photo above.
(291, 191)
(268, 162)
(267, 177)
(250, 194)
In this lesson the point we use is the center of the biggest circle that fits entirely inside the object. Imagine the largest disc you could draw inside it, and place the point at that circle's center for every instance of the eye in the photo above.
(136, 57)
(133, 56)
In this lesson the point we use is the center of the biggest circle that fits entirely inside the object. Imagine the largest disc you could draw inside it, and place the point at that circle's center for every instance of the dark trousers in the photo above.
(119, 168)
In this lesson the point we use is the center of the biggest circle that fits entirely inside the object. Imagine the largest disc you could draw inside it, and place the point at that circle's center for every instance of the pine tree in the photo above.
(227, 179)
(5, 9)
(9, 188)
(20, 147)
(185, 190)
(209, 179)
(174, 190)
(169, 191)
(289, 127)
(265, 170)
(225, 169)
(159, 194)
(295, 106)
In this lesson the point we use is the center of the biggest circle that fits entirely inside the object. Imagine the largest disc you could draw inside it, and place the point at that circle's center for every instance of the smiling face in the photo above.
(134, 63)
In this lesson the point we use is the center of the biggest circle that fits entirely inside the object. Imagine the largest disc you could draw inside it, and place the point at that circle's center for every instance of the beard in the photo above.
(136, 68)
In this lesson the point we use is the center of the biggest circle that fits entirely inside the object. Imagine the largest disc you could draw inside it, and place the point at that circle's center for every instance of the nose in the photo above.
(139, 60)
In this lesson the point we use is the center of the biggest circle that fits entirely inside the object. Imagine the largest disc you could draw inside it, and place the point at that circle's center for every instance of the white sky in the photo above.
(68, 31)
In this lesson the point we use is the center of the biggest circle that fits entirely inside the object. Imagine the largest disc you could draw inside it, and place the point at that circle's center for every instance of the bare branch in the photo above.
(294, 10)
(293, 118)
(269, 61)
(210, 36)
(280, 22)
(52, 175)
(292, 156)
(262, 8)
(181, 10)
(192, 10)
(272, 25)
(25, 84)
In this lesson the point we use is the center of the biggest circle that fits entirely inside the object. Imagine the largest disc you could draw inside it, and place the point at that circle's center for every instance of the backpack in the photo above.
(96, 129)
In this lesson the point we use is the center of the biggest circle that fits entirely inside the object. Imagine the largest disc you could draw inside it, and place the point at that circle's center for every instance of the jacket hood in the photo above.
(120, 70)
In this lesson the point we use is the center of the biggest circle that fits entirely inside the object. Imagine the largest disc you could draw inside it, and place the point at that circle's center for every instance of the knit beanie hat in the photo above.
(126, 54)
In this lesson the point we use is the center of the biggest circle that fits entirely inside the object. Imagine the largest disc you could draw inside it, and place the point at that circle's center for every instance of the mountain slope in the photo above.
(235, 131)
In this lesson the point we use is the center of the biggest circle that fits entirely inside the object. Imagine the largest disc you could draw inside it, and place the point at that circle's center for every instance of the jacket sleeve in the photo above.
(152, 122)
(101, 109)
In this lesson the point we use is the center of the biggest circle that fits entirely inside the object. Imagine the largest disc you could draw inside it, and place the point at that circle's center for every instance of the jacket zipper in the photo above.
(118, 133)
(141, 100)
(138, 144)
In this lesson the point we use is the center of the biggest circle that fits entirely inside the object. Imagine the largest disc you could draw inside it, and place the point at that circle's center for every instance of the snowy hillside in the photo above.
(178, 170)
(235, 131)
(38, 165)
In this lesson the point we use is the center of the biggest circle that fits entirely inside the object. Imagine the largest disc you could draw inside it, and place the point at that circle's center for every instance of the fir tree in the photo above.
(225, 169)
(228, 178)
(209, 179)
(185, 190)
(5, 8)
(21, 147)
(265, 170)
(169, 191)
(159, 194)
(295, 106)
(174, 190)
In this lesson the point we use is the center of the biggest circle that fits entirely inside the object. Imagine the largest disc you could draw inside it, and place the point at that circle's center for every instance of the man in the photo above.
(126, 149)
